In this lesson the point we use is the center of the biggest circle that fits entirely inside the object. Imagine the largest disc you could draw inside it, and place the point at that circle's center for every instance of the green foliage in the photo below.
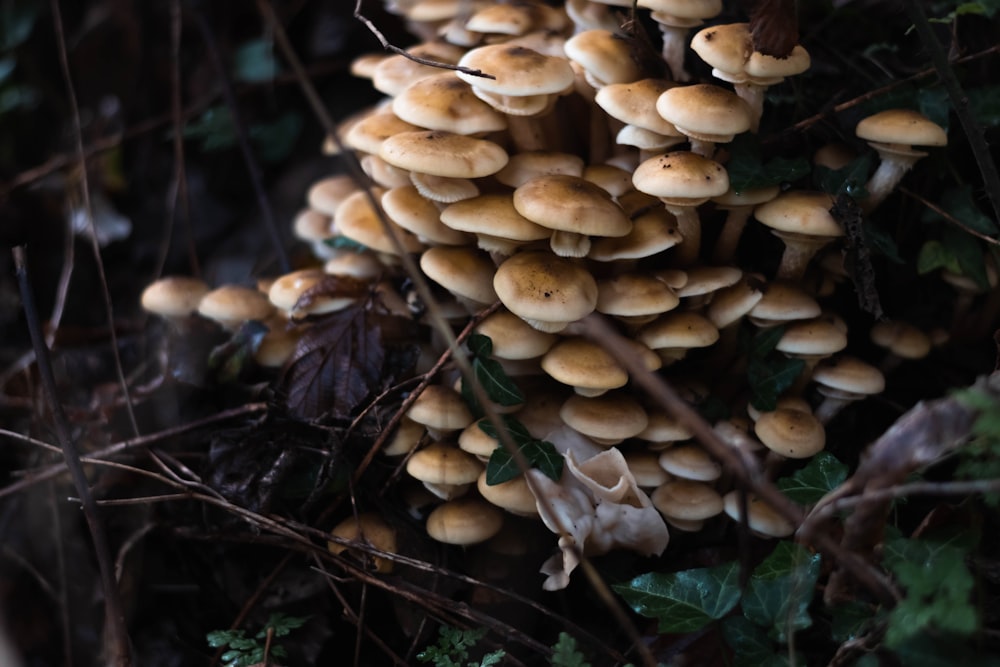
(684, 601)
(227, 361)
(751, 645)
(823, 474)
(780, 590)
(987, 8)
(984, 104)
(272, 140)
(243, 651)
(748, 171)
(254, 62)
(957, 252)
(769, 373)
(938, 587)
(17, 21)
(980, 457)
(453, 647)
(961, 205)
(565, 653)
(849, 179)
(540, 454)
(490, 374)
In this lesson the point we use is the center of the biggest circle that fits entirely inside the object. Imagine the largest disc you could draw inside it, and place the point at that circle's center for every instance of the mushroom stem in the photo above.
(890, 172)
(798, 251)
(702, 147)
(753, 95)
(830, 408)
(689, 226)
(674, 49)
(527, 133)
(729, 237)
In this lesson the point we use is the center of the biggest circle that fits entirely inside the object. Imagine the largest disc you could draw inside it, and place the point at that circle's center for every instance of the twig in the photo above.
(948, 216)
(388, 46)
(88, 209)
(118, 649)
(903, 491)
(256, 179)
(960, 102)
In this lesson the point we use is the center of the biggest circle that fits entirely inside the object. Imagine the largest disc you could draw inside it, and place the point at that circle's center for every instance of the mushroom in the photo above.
(676, 18)
(174, 298)
(802, 220)
(843, 380)
(762, 519)
(894, 133)
(705, 114)
(366, 528)
(232, 305)
(546, 291)
(446, 471)
(464, 521)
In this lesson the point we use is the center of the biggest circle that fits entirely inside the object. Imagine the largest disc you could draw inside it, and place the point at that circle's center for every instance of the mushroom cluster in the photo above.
(570, 182)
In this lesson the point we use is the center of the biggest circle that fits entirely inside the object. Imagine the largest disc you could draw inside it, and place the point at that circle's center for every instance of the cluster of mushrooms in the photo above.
(569, 183)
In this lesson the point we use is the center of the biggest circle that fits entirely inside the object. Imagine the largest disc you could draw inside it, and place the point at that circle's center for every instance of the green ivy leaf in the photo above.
(565, 653)
(275, 139)
(480, 345)
(849, 180)
(254, 62)
(219, 638)
(751, 645)
(518, 433)
(781, 589)
(540, 454)
(684, 601)
(938, 586)
(960, 203)
(747, 171)
(934, 255)
(764, 342)
(344, 243)
(851, 618)
(498, 386)
(769, 378)
(823, 474)
(984, 104)
(878, 239)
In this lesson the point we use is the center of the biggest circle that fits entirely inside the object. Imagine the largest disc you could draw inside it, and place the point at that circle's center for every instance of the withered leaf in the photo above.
(331, 287)
(858, 260)
(337, 363)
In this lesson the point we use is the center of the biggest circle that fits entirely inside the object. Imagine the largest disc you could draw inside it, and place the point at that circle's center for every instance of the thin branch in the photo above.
(243, 136)
(948, 216)
(89, 211)
(388, 46)
(904, 491)
(117, 647)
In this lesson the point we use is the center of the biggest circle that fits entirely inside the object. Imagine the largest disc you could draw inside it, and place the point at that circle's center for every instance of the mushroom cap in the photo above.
(791, 433)
(685, 11)
(800, 212)
(513, 338)
(662, 428)
(690, 462)
(358, 221)
(784, 302)
(493, 215)
(440, 407)
(174, 296)
(812, 338)
(312, 225)
(705, 111)
(407, 208)
(849, 375)
(519, 71)
(464, 521)
(405, 439)
(731, 303)
(687, 499)
(707, 279)
(465, 272)
(369, 133)
(901, 338)
(607, 419)
(571, 204)
(440, 153)
(614, 180)
(761, 517)
(761, 66)
(605, 57)
(681, 177)
(525, 166)
(752, 197)
(588, 368)
(901, 126)
(370, 528)
(445, 102)
(286, 291)
(634, 295)
(476, 441)
(538, 286)
(679, 329)
(645, 467)
(326, 194)
(231, 305)
(438, 463)
(514, 495)
(395, 73)
(652, 232)
(725, 47)
(634, 103)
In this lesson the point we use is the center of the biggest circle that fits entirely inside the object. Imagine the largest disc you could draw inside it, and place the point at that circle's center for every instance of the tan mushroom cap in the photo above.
(495, 222)
(705, 111)
(679, 329)
(725, 47)
(465, 272)
(634, 295)
(363, 265)
(588, 368)
(278, 344)
(527, 165)
(800, 212)
(662, 428)
(682, 178)
(395, 73)
(519, 71)
(408, 209)
(605, 57)
(405, 439)
(440, 463)
(687, 500)
(761, 517)
(546, 291)
(634, 103)
(312, 226)
(368, 134)
(901, 338)
(613, 180)
(791, 433)
(690, 462)
(369, 528)
(445, 154)
(645, 467)
(899, 129)
(383, 173)
(514, 495)
(730, 304)
(703, 280)
(464, 521)
(286, 291)
(848, 376)
(440, 407)
(652, 233)
(231, 305)
(513, 338)
(607, 419)
(174, 296)
(445, 102)
(327, 194)
(812, 338)
(784, 302)
(768, 68)
(358, 221)
(476, 441)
